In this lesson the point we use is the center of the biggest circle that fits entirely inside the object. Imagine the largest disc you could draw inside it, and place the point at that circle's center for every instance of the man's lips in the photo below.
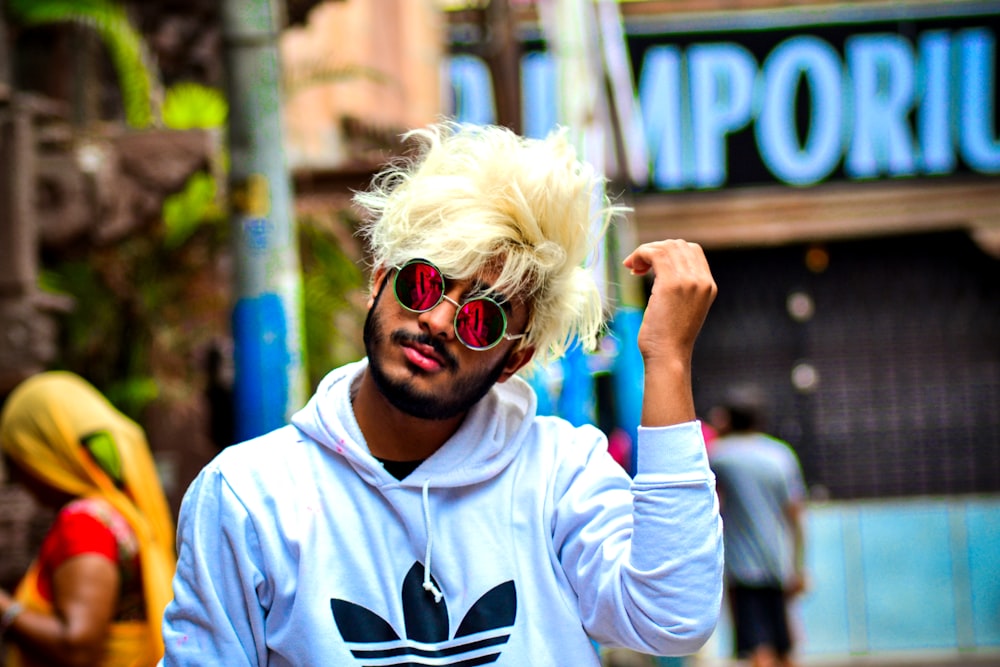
(424, 352)
(423, 356)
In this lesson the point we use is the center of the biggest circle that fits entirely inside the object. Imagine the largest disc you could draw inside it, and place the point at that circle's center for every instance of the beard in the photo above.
(457, 399)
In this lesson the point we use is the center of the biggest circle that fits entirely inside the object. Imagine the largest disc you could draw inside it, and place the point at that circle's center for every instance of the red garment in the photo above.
(91, 526)
(710, 434)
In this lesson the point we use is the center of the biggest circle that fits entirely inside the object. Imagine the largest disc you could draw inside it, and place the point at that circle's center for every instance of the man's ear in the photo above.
(516, 360)
(378, 282)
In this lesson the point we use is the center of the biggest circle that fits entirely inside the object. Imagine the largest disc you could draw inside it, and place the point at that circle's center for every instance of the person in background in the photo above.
(95, 594)
(762, 498)
(418, 510)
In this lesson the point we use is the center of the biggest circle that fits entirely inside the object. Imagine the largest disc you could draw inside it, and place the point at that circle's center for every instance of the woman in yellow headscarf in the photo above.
(96, 592)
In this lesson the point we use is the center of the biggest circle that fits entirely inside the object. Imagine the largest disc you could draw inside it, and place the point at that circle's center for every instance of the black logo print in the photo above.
(478, 640)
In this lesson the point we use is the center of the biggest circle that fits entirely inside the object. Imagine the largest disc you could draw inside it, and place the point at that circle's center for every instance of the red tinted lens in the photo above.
(480, 323)
(419, 286)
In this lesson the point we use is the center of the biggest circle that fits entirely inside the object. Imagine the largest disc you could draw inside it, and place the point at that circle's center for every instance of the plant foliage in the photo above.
(124, 43)
(332, 286)
(190, 105)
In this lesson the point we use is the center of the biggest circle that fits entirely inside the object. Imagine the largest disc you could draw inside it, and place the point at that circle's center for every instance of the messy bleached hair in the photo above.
(475, 199)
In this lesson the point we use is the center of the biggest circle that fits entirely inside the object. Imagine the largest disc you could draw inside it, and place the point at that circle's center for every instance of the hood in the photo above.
(485, 443)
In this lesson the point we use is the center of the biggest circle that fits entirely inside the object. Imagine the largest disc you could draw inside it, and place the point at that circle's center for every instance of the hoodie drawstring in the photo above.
(428, 584)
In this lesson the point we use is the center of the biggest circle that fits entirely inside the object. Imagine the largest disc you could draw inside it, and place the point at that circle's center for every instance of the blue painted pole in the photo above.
(628, 373)
(268, 357)
(577, 398)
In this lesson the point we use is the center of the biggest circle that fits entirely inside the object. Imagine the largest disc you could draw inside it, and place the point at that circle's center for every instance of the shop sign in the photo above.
(799, 105)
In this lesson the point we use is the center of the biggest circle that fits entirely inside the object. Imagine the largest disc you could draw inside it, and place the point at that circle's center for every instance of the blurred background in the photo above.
(176, 226)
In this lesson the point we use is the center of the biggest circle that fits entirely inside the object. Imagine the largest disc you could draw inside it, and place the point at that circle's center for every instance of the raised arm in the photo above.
(683, 290)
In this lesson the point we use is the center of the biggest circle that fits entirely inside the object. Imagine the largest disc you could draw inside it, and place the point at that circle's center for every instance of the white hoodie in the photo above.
(298, 548)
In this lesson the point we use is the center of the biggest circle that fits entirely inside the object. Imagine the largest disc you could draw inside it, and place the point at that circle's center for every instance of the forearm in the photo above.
(798, 540)
(663, 581)
(676, 552)
(47, 638)
(796, 523)
(675, 577)
(667, 397)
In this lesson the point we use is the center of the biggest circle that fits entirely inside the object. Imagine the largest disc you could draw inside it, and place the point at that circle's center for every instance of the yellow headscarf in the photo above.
(41, 427)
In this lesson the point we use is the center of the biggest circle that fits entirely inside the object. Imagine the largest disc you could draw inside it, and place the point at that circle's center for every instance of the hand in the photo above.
(796, 585)
(9, 610)
(683, 290)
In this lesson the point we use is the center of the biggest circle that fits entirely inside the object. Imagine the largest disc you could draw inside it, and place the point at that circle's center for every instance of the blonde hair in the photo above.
(481, 198)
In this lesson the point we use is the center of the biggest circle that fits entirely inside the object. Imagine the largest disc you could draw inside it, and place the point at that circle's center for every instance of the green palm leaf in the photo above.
(124, 43)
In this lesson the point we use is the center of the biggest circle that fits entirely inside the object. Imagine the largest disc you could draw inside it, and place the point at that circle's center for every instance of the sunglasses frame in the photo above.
(458, 306)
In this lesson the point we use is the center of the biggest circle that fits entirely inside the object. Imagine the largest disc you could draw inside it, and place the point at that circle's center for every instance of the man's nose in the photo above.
(440, 320)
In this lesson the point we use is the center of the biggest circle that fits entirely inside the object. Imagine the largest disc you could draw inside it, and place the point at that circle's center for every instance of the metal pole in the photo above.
(267, 316)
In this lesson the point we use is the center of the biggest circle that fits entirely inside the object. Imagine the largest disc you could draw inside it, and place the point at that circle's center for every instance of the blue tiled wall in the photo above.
(898, 576)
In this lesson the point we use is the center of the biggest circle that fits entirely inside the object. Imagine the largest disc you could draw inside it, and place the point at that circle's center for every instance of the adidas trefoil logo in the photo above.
(478, 640)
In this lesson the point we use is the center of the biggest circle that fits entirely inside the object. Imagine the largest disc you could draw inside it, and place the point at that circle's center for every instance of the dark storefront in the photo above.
(881, 357)
(847, 165)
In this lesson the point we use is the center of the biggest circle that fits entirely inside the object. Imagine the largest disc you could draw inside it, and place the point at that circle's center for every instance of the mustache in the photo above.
(399, 336)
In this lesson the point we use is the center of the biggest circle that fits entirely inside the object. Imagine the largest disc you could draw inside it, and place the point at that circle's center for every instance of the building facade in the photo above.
(841, 166)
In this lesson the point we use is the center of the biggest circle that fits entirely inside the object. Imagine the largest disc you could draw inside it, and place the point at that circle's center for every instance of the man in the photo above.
(762, 497)
(417, 511)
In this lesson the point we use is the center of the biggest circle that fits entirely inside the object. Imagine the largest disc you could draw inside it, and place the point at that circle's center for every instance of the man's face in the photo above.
(419, 365)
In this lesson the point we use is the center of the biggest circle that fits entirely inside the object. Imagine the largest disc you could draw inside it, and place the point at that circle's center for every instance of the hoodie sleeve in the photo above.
(216, 616)
(646, 561)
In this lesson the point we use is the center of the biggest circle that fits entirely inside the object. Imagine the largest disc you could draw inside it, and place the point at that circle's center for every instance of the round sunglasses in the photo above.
(480, 322)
